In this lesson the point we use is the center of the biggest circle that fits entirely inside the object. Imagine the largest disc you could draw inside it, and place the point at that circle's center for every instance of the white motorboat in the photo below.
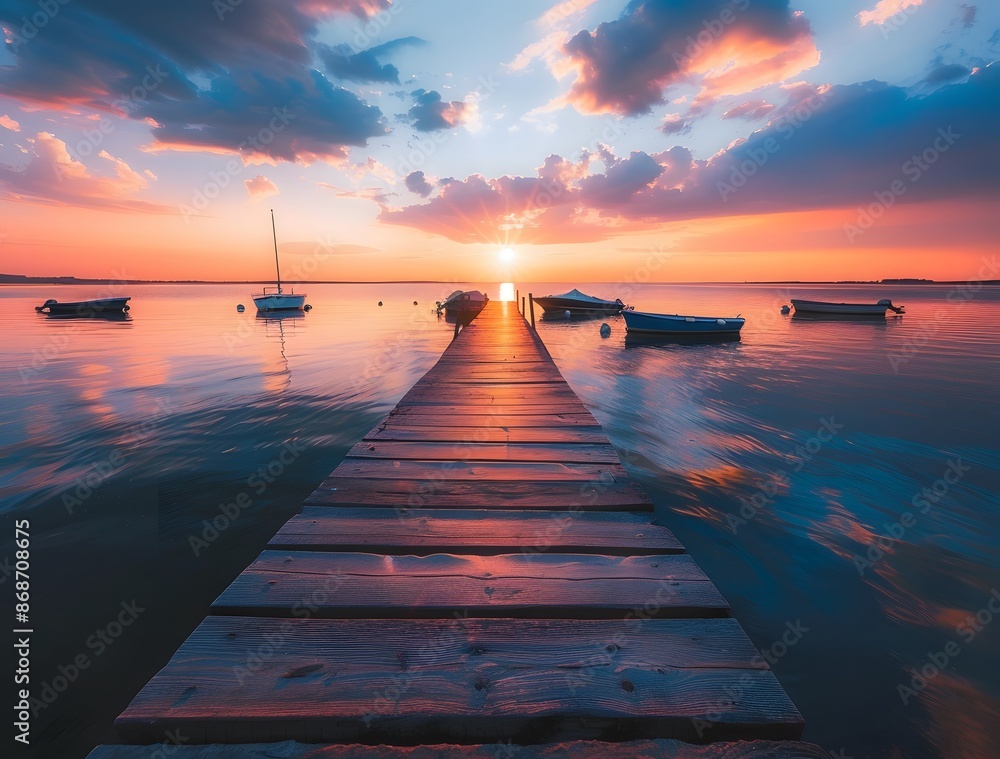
(463, 302)
(577, 302)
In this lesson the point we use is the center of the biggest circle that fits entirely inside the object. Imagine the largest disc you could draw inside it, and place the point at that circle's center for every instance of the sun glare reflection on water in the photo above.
(507, 291)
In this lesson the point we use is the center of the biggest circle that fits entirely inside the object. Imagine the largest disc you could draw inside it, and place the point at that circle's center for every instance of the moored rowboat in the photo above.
(853, 309)
(84, 307)
(675, 324)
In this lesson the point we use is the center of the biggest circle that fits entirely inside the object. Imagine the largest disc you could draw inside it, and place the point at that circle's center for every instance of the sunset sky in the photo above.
(599, 140)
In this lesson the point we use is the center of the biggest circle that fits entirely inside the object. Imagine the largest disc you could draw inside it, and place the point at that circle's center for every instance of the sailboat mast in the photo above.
(277, 268)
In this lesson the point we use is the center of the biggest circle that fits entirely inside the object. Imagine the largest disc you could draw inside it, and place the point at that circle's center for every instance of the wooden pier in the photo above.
(478, 578)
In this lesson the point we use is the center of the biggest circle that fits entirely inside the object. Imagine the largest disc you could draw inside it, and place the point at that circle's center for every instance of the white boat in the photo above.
(576, 301)
(848, 309)
(644, 322)
(276, 298)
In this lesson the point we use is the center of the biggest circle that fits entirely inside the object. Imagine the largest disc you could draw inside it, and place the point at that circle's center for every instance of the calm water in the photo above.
(779, 461)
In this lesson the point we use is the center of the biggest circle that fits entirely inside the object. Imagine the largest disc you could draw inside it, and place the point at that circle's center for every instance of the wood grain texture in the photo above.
(479, 569)
(646, 749)
(480, 434)
(492, 418)
(590, 495)
(427, 531)
(521, 472)
(539, 586)
(574, 453)
(464, 680)
(441, 412)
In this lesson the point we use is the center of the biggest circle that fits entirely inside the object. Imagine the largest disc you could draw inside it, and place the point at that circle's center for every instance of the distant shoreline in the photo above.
(14, 279)
(17, 279)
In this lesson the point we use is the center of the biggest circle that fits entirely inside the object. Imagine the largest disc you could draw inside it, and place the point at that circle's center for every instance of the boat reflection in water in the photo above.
(275, 324)
(279, 316)
(640, 339)
(96, 316)
(574, 315)
(804, 316)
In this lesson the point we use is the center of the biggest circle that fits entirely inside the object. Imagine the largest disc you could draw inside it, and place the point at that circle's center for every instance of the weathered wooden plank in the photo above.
(647, 749)
(536, 586)
(488, 357)
(467, 451)
(444, 675)
(432, 405)
(485, 387)
(576, 435)
(507, 373)
(416, 493)
(517, 409)
(494, 378)
(427, 531)
(464, 680)
(516, 566)
(494, 419)
(479, 471)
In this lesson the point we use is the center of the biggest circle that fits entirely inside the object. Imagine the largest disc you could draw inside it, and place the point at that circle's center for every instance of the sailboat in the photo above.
(275, 298)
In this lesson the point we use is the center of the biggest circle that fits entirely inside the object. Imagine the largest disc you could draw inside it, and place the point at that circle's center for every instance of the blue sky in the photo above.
(636, 111)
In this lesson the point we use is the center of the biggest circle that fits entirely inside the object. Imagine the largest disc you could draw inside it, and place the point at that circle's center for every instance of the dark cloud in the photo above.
(749, 111)
(968, 17)
(430, 113)
(624, 66)
(675, 124)
(364, 66)
(860, 139)
(208, 74)
(944, 74)
(676, 164)
(302, 120)
(417, 183)
(619, 182)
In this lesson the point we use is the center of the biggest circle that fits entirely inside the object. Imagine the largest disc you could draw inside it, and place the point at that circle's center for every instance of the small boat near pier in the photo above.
(463, 303)
(644, 322)
(577, 302)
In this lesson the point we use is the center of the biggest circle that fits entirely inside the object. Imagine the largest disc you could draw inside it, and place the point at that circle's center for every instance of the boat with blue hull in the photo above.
(644, 322)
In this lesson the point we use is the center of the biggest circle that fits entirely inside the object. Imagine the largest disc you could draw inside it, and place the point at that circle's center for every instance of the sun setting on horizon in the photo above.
(568, 154)
(523, 318)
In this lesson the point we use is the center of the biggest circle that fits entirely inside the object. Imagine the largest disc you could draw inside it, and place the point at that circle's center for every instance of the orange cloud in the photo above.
(54, 177)
(885, 10)
(729, 46)
(260, 187)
